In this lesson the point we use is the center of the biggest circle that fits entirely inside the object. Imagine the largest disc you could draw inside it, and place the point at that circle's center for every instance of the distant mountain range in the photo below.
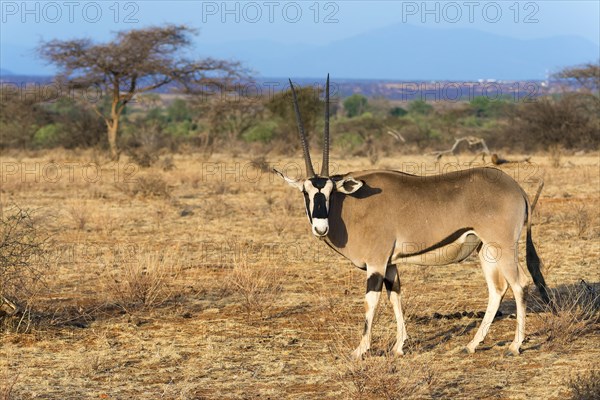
(396, 52)
(405, 52)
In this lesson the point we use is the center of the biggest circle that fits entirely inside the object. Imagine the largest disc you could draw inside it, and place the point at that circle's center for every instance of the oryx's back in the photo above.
(479, 192)
(395, 212)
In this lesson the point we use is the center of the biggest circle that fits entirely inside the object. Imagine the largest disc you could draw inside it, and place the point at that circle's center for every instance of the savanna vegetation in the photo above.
(207, 105)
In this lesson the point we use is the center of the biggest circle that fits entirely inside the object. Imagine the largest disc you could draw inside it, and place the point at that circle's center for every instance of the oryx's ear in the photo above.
(348, 185)
(290, 181)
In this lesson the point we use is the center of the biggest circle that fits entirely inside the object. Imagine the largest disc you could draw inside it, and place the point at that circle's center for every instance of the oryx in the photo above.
(379, 218)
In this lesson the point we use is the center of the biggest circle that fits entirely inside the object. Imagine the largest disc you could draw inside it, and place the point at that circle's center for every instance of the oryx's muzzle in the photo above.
(318, 190)
(320, 226)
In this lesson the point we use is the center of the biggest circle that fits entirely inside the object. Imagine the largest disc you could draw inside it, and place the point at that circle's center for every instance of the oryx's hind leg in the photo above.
(517, 280)
(392, 286)
(497, 287)
(374, 286)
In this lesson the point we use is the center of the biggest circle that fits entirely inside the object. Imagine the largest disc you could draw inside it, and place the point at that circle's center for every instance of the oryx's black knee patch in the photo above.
(392, 286)
(374, 282)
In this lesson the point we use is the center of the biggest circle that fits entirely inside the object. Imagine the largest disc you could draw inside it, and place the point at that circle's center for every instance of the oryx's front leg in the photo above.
(392, 286)
(374, 286)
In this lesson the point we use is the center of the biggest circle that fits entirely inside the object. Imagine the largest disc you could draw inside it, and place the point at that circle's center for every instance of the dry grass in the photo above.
(7, 384)
(584, 220)
(144, 281)
(586, 385)
(258, 288)
(23, 265)
(556, 153)
(574, 312)
(234, 298)
(149, 185)
(390, 378)
(79, 212)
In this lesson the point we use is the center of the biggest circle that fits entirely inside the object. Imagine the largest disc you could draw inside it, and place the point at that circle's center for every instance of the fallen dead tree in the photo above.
(484, 151)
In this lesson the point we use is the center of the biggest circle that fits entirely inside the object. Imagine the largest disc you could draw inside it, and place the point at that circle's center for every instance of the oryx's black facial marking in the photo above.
(317, 191)
(319, 206)
(318, 182)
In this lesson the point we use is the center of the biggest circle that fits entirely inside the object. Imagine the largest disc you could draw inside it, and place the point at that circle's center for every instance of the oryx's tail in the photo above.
(531, 256)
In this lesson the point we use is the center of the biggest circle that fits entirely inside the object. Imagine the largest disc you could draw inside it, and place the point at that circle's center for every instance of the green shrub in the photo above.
(178, 111)
(349, 140)
(355, 105)
(398, 112)
(483, 107)
(419, 107)
(263, 132)
(48, 135)
(471, 121)
(181, 129)
(20, 118)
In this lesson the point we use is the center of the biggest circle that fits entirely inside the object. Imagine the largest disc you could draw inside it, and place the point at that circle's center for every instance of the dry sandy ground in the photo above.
(213, 287)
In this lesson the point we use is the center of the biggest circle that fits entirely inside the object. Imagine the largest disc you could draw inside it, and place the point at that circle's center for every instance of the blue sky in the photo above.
(290, 23)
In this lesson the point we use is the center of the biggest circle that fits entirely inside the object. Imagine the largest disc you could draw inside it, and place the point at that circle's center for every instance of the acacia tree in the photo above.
(587, 76)
(136, 61)
(231, 117)
(310, 106)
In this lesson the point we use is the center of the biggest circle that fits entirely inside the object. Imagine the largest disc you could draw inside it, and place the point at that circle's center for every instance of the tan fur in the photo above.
(396, 217)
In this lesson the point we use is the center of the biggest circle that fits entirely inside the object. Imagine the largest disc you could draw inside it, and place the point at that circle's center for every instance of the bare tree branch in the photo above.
(471, 141)
(474, 141)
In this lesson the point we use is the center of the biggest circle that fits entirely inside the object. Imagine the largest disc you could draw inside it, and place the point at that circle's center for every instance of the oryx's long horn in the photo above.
(309, 168)
(325, 166)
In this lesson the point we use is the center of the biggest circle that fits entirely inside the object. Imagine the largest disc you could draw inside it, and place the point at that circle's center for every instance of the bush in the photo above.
(575, 312)
(182, 129)
(355, 105)
(263, 132)
(398, 112)
(20, 118)
(144, 138)
(76, 125)
(144, 282)
(585, 386)
(22, 250)
(419, 107)
(420, 130)
(178, 111)
(483, 107)
(258, 287)
(48, 135)
(570, 121)
(311, 108)
(349, 140)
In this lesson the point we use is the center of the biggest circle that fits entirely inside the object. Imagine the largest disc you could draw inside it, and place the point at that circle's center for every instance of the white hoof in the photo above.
(397, 350)
(470, 348)
(513, 350)
(358, 353)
